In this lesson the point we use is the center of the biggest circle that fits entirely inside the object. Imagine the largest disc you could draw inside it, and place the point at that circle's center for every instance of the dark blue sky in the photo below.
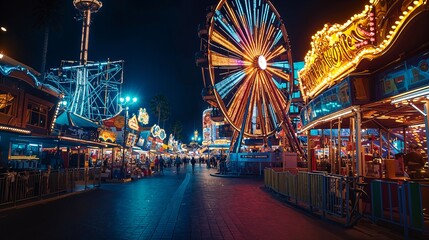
(157, 40)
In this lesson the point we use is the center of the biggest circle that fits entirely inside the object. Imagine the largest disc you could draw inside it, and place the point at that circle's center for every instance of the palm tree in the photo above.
(47, 15)
(159, 105)
(177, 129)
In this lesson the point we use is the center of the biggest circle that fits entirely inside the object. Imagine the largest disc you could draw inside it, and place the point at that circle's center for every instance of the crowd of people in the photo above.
(156, 165)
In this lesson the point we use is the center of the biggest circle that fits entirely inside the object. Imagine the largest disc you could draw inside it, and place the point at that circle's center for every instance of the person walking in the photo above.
(156, 163)
(193, 164)
(161, 165)
(177, 162)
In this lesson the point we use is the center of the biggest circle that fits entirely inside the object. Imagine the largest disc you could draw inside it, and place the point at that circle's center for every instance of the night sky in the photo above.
(157, 39)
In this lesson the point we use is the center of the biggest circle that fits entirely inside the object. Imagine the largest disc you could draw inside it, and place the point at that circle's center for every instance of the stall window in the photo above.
(7, 102)
(37, 114)
(25, 151)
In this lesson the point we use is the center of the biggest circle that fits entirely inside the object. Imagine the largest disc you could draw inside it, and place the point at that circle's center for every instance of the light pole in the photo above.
(125, 102)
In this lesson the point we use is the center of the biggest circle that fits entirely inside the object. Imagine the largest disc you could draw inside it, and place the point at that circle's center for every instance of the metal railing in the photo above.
(30, 186)
(401, 203)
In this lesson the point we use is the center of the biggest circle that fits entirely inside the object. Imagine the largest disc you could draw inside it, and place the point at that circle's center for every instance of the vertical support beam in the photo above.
(388, 144)
(352, 139)
(309, 152)
(111, 164)
(360, 166)
(405, 140)
(339, 146)
(243, 125)
(380, 135)
(426, 109)
(78, 157)
(331, 154)
(85, 37)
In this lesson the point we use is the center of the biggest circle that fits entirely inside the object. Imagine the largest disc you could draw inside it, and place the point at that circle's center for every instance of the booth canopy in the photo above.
(74, 120)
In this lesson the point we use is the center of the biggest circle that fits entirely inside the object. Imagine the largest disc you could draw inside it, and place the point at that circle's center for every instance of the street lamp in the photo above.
(125, 102)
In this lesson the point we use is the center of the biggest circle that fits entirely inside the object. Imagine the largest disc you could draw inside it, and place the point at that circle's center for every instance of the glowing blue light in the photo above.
(229, 29)
(283, 65)
(226, 85)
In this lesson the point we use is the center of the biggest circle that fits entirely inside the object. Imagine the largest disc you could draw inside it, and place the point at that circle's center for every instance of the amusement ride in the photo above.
(91, 89)
(247, 70)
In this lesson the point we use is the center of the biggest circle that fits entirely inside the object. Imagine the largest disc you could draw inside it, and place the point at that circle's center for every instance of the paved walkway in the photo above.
(176, 206)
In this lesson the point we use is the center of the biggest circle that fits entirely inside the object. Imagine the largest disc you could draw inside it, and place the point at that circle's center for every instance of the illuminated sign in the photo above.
(156, 131)
(143, 116)
(207, 127)
(107, 136)
(338, 49)
(133, 124)
(131, 139)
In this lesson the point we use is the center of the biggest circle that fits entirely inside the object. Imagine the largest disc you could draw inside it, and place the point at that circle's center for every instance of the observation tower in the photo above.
(91, 89)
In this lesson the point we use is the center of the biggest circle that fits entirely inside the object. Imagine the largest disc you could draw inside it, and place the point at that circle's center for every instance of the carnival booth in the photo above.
(369, 103)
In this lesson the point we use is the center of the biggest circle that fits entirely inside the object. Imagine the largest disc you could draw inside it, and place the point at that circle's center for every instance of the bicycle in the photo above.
(356, 208)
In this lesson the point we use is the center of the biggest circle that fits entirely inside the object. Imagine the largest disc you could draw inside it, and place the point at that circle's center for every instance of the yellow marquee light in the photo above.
(17, 130)
(318, 74)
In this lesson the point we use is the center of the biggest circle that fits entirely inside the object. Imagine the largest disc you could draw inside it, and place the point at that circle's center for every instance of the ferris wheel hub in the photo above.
(262, 62)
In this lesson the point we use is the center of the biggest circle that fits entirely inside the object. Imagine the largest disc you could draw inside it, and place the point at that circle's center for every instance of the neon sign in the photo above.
(337, 50)
(143, 116)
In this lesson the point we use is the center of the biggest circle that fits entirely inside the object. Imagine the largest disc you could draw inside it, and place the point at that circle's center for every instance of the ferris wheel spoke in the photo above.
(244, 25)
(222, 22)
(272, 97)
(235, 17)
(228, 84)
(266, 126)
(230, 26)
(279, 72)
(219, 60)
(261, 37)
(235, 105)
(224, 43)
(277, 52)
(283, 65)
(251, 114)
(271, 37)
(276, 98)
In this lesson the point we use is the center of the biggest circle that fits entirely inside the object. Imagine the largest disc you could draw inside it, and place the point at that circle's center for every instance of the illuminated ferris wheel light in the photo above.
(262, 62)
(244, 38)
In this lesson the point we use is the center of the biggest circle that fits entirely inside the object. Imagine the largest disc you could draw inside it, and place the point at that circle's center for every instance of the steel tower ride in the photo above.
(91, 89)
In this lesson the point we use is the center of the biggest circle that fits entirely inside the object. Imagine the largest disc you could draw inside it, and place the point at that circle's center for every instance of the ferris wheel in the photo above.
(250, 65)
